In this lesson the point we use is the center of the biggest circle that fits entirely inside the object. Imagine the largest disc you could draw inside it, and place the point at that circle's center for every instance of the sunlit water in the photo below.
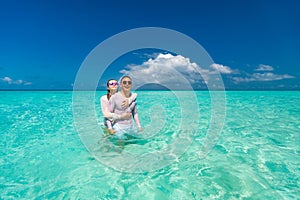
(256, 157)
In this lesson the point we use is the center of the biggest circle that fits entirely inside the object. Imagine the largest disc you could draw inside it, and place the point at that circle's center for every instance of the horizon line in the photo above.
(46, 90)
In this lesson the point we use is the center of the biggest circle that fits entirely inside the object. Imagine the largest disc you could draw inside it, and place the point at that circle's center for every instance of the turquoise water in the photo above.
(256, 157)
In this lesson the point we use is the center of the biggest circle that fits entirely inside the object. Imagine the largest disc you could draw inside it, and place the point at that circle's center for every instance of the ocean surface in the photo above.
(44, 152)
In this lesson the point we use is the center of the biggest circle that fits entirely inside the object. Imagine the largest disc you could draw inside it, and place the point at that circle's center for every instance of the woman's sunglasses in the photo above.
(125, 82)
(113, 83)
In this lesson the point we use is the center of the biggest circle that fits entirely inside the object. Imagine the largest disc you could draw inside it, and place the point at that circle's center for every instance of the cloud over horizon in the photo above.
(262, 73)
(10, 81)
(263, 67)
(176, 70)
(266, 76)
(222, 68)
(165, 69)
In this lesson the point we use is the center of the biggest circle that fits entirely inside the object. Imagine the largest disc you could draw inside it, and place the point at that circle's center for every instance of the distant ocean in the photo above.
(257, 155)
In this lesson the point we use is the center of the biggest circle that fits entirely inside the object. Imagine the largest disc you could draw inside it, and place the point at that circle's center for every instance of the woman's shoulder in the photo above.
(104, 98)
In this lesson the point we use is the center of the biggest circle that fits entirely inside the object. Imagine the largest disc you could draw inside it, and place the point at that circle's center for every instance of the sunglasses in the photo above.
(125, 82)
(113, 83)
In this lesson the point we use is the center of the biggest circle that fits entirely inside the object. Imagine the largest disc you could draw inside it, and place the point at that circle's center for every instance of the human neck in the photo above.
(111, 92)
(125, 93)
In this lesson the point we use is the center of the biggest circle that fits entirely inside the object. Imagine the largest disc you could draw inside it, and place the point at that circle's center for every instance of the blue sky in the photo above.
(254, 44)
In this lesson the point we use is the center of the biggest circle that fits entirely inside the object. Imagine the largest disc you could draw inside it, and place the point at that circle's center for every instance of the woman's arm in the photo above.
(105, 110)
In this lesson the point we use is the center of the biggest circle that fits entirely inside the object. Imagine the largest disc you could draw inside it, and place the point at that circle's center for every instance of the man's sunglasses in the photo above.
(125, 82)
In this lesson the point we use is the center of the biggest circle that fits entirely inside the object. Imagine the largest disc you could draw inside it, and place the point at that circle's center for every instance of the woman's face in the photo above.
(113, 86)
(126, 84)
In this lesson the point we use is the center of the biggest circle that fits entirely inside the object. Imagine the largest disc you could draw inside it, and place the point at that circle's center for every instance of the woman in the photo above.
(125, 125)
(109, 117)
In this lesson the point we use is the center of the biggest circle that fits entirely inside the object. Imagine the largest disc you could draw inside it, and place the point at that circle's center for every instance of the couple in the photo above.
(118, 108)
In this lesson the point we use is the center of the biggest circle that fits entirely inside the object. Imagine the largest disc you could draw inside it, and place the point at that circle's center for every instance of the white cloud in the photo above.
(222, 68)
(263, 73)
(7, 80)
(15, 82)
(27, 83)
(165, 69)
(267, 76)
(18, 82)
(262, 67)
(177, 71)
(170, 70)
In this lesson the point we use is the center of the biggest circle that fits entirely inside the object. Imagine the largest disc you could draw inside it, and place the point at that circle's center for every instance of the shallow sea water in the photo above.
(257, 155)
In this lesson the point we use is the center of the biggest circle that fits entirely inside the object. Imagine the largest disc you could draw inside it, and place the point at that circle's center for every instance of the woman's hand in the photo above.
(125, 104)
(112, 131)
(126, 115)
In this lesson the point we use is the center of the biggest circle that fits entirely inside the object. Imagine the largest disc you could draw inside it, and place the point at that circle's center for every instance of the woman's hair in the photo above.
(108, 91)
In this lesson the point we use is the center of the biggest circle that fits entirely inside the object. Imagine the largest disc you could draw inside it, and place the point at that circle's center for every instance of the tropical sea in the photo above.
(256, 155)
